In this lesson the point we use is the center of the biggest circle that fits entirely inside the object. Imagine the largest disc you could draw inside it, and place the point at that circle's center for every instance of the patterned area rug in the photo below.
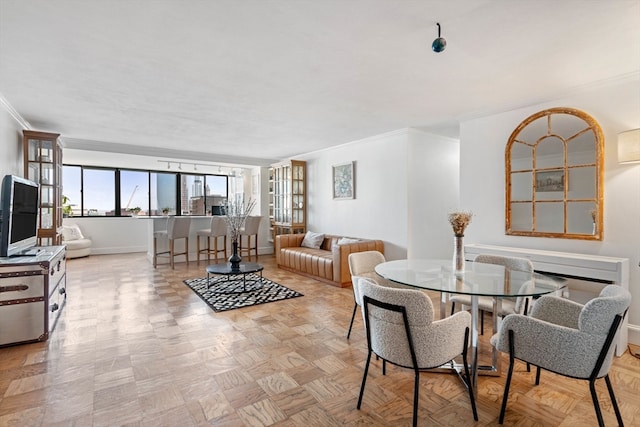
(226, 293)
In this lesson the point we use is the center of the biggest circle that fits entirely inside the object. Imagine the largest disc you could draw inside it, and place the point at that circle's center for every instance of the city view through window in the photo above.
(90, 191)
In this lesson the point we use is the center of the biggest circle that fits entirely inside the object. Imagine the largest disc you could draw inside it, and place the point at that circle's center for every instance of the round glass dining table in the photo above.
(477, 280)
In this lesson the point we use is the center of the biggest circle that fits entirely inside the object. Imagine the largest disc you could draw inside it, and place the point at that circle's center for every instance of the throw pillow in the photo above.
(71, 232)
(347, 240)
(312, 240)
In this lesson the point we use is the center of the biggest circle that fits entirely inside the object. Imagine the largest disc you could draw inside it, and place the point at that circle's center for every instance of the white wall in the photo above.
(11, 162)
(113, 235)
(434, 187)
(616, 107)
(404, 181)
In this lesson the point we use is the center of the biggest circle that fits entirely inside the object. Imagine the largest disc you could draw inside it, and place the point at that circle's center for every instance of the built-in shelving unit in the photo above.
(43, 165)
(288, 203)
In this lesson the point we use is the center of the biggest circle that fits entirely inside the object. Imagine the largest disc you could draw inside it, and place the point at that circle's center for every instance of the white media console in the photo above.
(587, 274)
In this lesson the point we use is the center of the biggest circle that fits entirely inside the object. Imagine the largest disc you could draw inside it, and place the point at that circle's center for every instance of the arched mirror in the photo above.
(554, 176)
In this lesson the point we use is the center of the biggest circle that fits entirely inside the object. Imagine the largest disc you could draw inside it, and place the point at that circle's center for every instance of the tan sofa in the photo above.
(329, 264)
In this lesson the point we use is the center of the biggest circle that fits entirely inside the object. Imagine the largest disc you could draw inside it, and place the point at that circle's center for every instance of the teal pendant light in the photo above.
(440, 43)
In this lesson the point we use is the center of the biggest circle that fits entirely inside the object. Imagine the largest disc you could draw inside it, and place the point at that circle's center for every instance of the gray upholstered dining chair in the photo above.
(217, 230)
(509, 305)
(401, 330)
(567, 338)
(362, 265)
(177, 228)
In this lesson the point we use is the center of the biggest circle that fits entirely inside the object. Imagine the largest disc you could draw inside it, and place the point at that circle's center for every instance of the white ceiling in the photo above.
(253, 81)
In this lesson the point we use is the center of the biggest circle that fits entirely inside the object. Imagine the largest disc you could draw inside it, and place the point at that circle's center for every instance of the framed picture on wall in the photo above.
(343, 181)
(550, 181)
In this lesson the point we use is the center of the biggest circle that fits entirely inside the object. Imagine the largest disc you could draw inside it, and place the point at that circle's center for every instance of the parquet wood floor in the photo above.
(134, 346)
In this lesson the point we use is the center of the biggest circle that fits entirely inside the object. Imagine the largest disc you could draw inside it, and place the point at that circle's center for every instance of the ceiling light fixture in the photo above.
(440, 43)
(168, 165)
(179, 166)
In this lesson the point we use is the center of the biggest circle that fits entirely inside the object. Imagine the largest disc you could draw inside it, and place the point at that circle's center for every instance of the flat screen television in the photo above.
(19, 215)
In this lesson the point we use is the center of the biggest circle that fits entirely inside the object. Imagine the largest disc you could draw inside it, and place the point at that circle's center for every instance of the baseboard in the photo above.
(634, 334)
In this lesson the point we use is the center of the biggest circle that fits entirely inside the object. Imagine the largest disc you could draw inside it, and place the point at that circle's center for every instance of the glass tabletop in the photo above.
(478, 278)
(244, 268)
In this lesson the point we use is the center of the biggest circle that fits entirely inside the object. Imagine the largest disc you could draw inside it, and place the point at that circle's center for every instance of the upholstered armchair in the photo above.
(567, 338)
(509, 305)
(362, 265)
(401, 330)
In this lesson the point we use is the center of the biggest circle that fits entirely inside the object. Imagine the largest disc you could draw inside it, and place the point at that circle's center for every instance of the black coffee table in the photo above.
(224, 284)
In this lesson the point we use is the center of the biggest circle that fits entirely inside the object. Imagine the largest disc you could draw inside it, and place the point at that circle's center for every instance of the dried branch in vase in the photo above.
(459, 221)
(236, 214)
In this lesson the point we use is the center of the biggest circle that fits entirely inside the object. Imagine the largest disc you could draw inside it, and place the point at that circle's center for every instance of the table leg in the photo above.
(495, 356)
(474, 343)
(444, 297)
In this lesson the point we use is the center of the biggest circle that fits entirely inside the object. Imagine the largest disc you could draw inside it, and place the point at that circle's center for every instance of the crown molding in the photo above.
(14, 113)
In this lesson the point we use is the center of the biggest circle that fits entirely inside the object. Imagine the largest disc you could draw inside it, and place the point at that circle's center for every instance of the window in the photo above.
(72, 177)
(163, 193)
(93, 191)
(200, 194)
(99, 192)
(134, 193)
(215, 193)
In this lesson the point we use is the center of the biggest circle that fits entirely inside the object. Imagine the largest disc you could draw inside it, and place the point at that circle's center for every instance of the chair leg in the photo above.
(596, 405)
(155, 252)
(481, 322)
(353, 316)
(186, 249)
(537, 375)
(416, 388)
(171, 242)
(467, 374)
(384, 366)
(505, 396)
(453, 307)
(224, 241)
(364, 379)
(613, 400)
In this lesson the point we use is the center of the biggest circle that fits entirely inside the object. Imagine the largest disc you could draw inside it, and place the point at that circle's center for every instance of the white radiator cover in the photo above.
(588, 273)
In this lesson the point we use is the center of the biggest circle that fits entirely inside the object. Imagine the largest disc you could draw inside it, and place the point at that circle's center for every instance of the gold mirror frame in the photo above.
(539, 133)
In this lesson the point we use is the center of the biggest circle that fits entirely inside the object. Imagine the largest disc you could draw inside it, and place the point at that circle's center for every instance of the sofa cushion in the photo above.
(312, 240)
(71, 232)
(347, 240)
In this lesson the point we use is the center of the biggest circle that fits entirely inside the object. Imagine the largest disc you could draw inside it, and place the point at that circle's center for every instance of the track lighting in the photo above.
(440, 43)
(222, 170)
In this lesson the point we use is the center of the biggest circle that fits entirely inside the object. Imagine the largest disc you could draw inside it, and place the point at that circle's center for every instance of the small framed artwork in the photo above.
(550, 181)
(343, 181)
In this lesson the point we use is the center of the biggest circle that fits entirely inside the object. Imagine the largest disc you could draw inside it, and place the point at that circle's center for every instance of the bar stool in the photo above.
(177, 228)
(250, 230)
(217, 229)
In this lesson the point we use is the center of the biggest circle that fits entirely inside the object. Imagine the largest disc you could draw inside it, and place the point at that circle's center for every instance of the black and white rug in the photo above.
(226, 293)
